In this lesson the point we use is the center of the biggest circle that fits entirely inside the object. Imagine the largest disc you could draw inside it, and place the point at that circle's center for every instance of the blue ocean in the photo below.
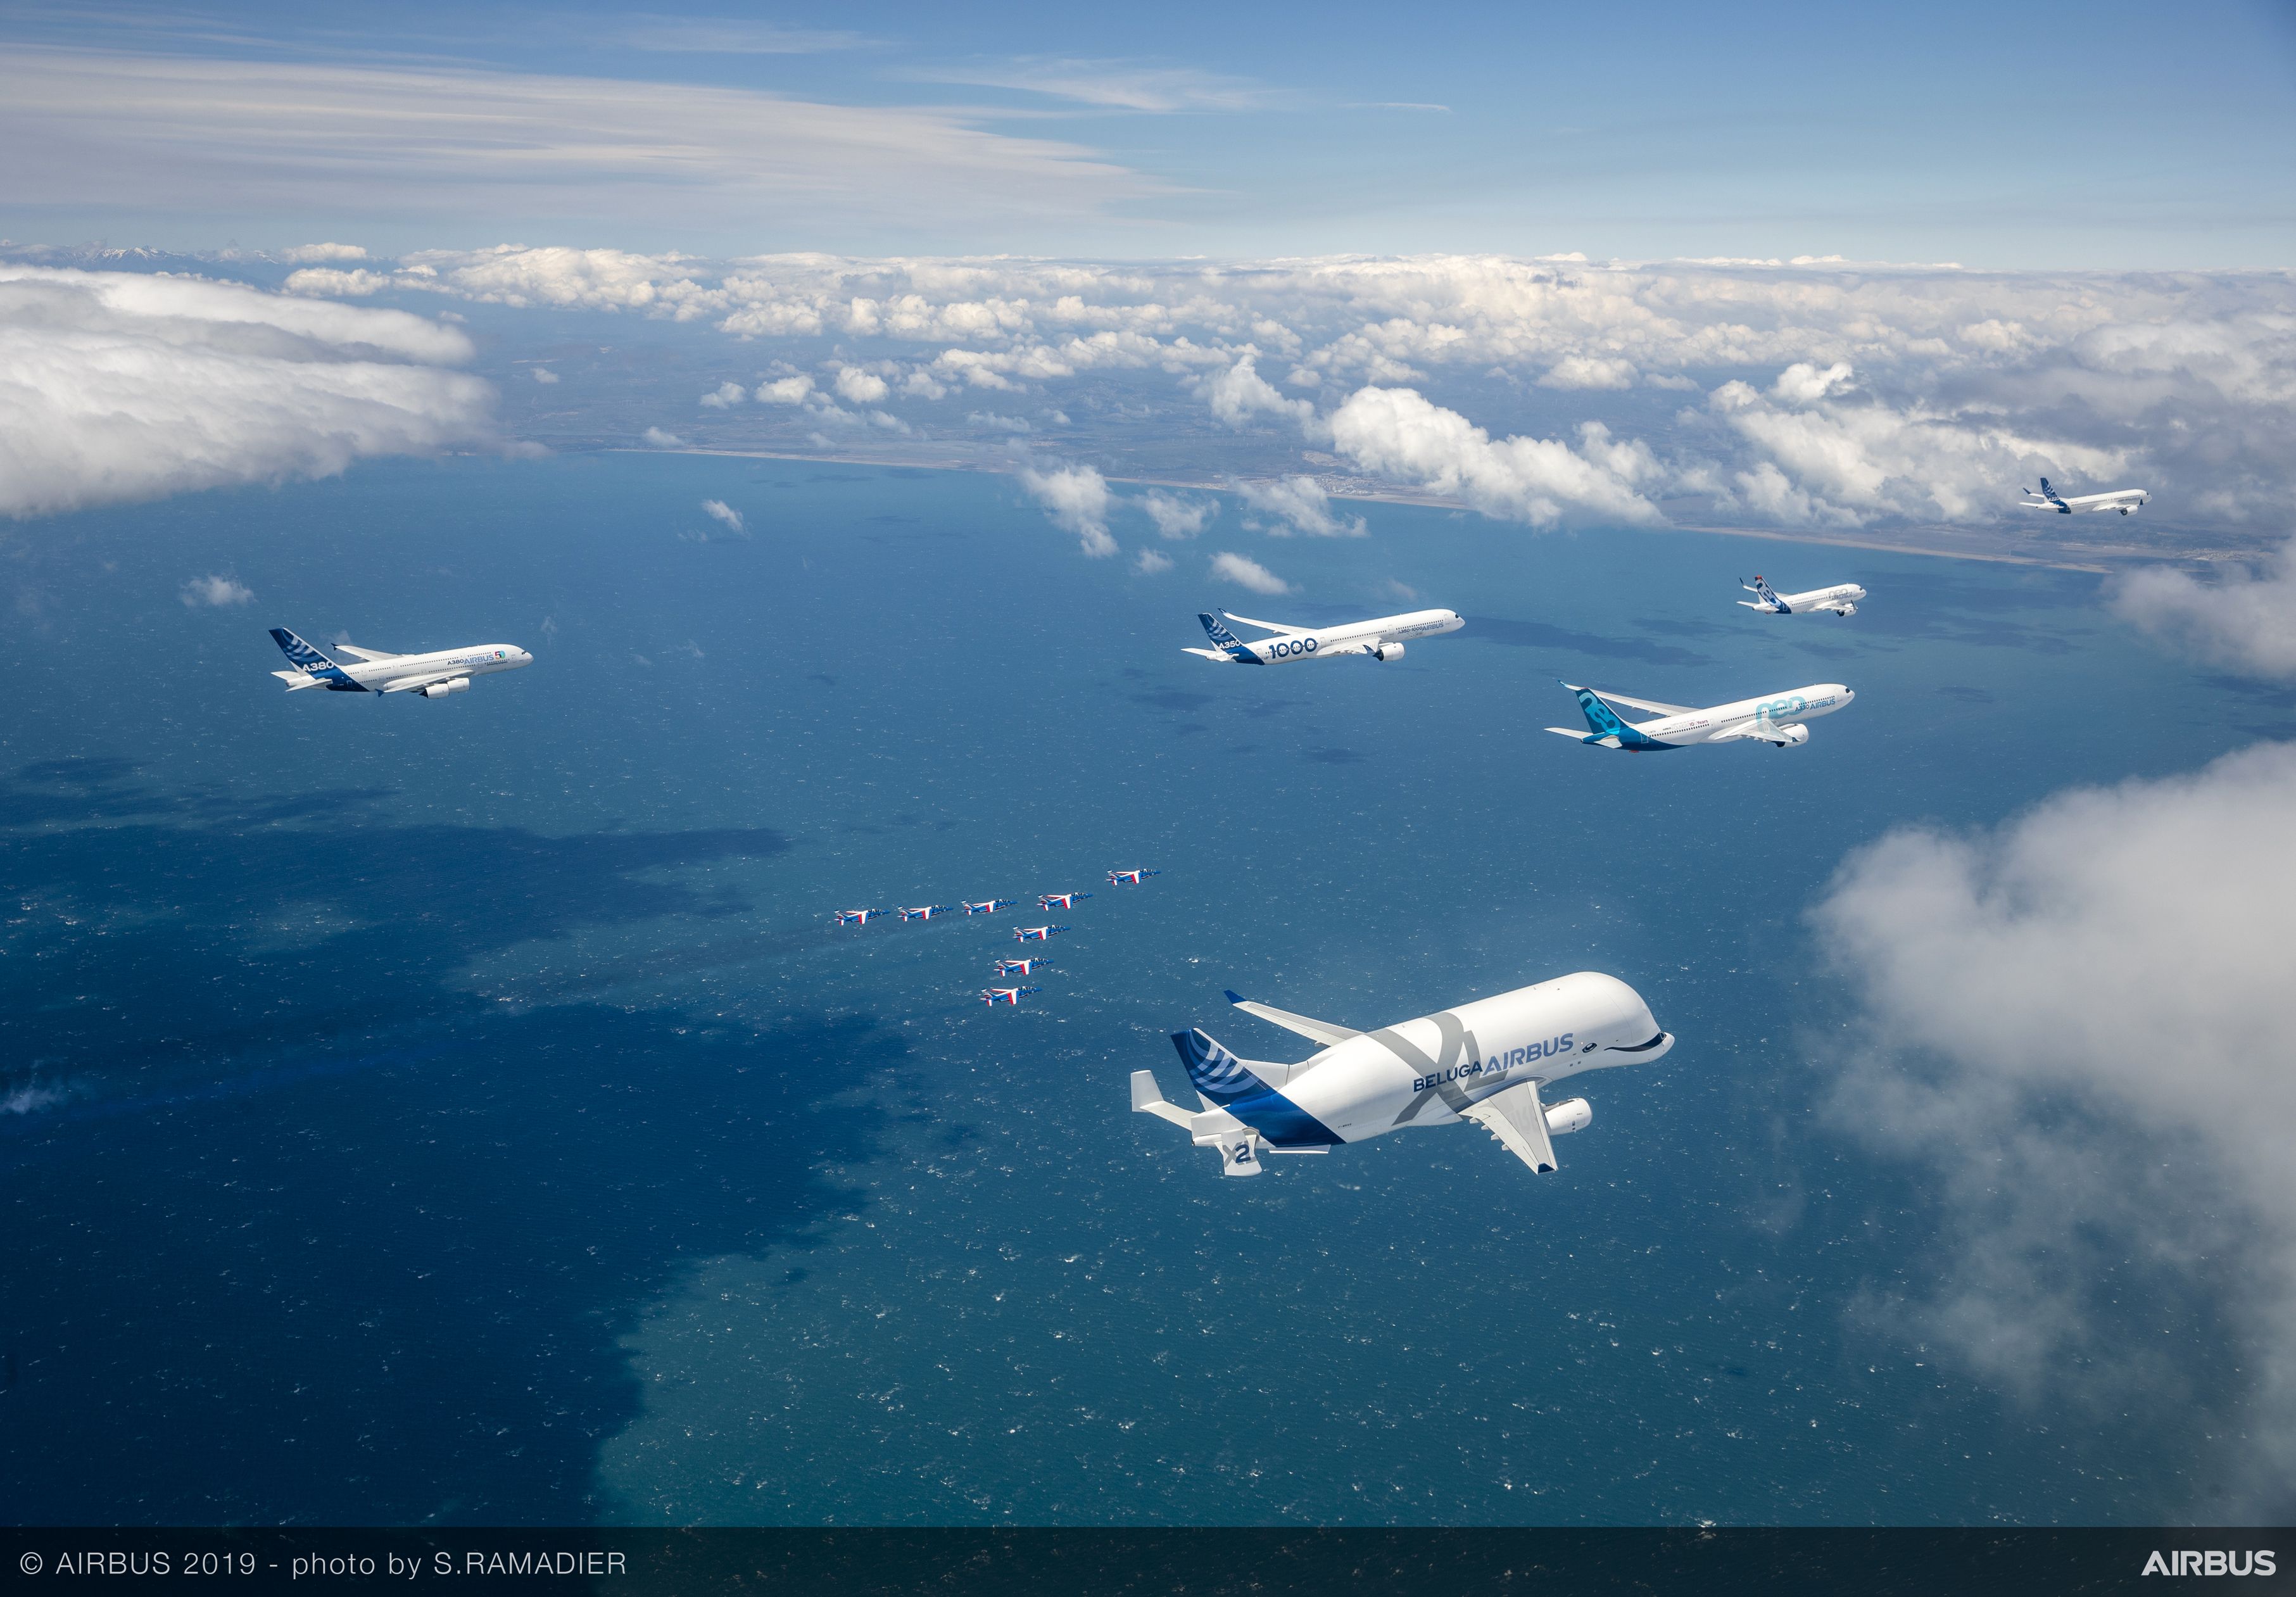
(467, 1111)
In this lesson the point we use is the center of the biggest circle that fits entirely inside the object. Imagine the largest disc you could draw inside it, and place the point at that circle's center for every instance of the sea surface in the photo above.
(467, 1112)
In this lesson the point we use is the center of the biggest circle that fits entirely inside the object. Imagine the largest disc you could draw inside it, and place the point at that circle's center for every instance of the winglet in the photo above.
(1235, 997)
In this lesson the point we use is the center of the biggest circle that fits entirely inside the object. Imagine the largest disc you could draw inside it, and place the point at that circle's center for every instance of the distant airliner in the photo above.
(1483, 1061)
(434, 676)
(1381, 638)
(2046, 498)
(1776, 721)
(1842, 599)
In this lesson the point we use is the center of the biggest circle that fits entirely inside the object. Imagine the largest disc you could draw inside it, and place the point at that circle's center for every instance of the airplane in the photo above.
(1842, 599)
(989, 906)
(2046, 498)
(1484, 1062)
(1011, 996)
(924, 911)
(434, 676)
(856, 917)
(1777, 722)
(1381, 638)
(1117, 878)
(1059, 900)
(1035, 934)
(1022, 967)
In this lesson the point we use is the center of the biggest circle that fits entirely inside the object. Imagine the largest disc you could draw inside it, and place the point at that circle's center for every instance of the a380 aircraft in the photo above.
(1484, 1062)
(434, 676)
(2046, 498)
(1381, 638)
(1776, 721)
(1842, 599)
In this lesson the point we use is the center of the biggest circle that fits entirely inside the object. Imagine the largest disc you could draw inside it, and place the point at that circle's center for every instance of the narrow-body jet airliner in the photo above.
(1776, 721)
(434, 676)
(1486, 1062)
(1130, 879)
(1842, 599)
(1381, 638)
(2045, 497)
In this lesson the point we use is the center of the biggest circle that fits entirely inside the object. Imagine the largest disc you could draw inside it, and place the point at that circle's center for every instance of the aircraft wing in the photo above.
(368, 655)
(1651, 705)
(1266, 626)
(1766, 731)
(1518, 1121)
(1322, 1031)
(407, 684)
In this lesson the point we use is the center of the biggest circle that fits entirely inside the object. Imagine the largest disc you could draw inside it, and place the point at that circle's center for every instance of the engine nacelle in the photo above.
(1388, 651)
(439, 689)
(1572, 1114)
(1791, 737)
(1847, 609)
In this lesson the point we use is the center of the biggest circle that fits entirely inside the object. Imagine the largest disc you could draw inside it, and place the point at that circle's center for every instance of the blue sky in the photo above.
(2000, 135)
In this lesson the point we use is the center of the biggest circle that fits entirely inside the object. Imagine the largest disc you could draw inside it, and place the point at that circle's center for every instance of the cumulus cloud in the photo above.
(1398, 433)
(2078, 1027)
(1149, 561)
(2244, 621)
(1291, 504)
(1238, 393)
(1076, 498)
(663, 439)
(219, 592)
(1247, 573)
(118, 386)
(725, 396)
(1588, 371)
(785, 390)
(718, 510)
(997, 423)
(858, 387)
(545, 374)
(1177, 517)
(308, 254)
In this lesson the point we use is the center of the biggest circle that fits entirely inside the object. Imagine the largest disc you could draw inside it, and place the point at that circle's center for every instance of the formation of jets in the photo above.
(1381, 638)
(1027, 964)
(2045, 497)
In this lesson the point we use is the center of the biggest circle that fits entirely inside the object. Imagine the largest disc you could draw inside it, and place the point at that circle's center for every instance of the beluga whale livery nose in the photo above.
(1777, 720)
(1381, 638)
(1488, 1062)
(1842, 599)
(437, 675)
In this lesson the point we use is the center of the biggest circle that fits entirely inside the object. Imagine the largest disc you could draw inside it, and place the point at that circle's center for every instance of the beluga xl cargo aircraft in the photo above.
(1484, 1062)
(2046, 498)
(1842, 599)
(1383, 638)
(434, 676)
(1776, 721)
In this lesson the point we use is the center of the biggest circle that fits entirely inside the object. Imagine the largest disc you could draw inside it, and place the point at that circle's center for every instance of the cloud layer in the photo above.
(2244, 621)
(118, 385)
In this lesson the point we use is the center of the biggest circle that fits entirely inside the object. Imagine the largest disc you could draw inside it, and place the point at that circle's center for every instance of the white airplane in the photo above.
(1776, 721)
(2046, 498)
(1842, 599)
(434, 676)
(1383, 638)
(1483, 1061)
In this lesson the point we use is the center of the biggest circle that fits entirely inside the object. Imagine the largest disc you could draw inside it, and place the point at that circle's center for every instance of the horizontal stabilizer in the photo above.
(1516, 1118)
(1578, 735)
(1321, 1031)
(1210, 654)
(296, 679)
(1148, 1099)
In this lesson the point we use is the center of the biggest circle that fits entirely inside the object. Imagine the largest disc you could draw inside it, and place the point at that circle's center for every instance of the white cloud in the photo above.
(1176, 516)
(216, 591)
(1398, 433)
(999, 423)
(1588, 371)
(309, 254)
(1076, 497)
(1248, 573)
(662, 439)
(1116, 86)
(118, 386)
(330, 282)
(718, 510)
(725, 396)
(2077, 1028)
(545, 374)
(860, 388)
(2244, 621)
(1149, 561)
(1296, 505)
(1238, 393)
(785, 390)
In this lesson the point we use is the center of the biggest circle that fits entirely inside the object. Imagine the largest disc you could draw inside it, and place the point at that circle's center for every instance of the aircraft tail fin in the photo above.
(1229, 643)
(1214, 1071)
(311, 662)
(1602, 720)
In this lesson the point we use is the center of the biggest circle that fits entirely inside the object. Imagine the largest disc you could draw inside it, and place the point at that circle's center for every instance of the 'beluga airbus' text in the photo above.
(1776, 720)
(433, 675)
(1381, 638)
(1485, 1061)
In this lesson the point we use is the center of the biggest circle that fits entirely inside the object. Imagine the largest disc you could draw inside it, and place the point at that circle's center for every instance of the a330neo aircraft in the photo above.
(434, 676)
(1776, 721)
(1381, 638)
(1484, 1062)
(1842, 599)
(2046, 498)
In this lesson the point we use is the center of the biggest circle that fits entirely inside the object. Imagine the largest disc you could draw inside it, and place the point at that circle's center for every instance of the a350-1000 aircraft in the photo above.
(1381, 638)
(1776, 721)
(434, 676)
(1483, 1061)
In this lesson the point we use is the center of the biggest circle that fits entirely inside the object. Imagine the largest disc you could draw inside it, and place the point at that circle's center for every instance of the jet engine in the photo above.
(1388, 651)
(439, 689)
(1847, 609)
(1791, 737)
(1572, 1114)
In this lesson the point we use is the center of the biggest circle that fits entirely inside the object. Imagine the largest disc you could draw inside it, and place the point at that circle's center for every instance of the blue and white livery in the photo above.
(1059, 900)
(1036, 934)
(1381, 638)
(1130, 879)
(856, 917)
(926, 912)
(434, 676)
(989, 906)
(1488, 1062)
(1011, 996)
(1842, 599)
(2127, 501)
(1776, 720)
(1023, 967)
